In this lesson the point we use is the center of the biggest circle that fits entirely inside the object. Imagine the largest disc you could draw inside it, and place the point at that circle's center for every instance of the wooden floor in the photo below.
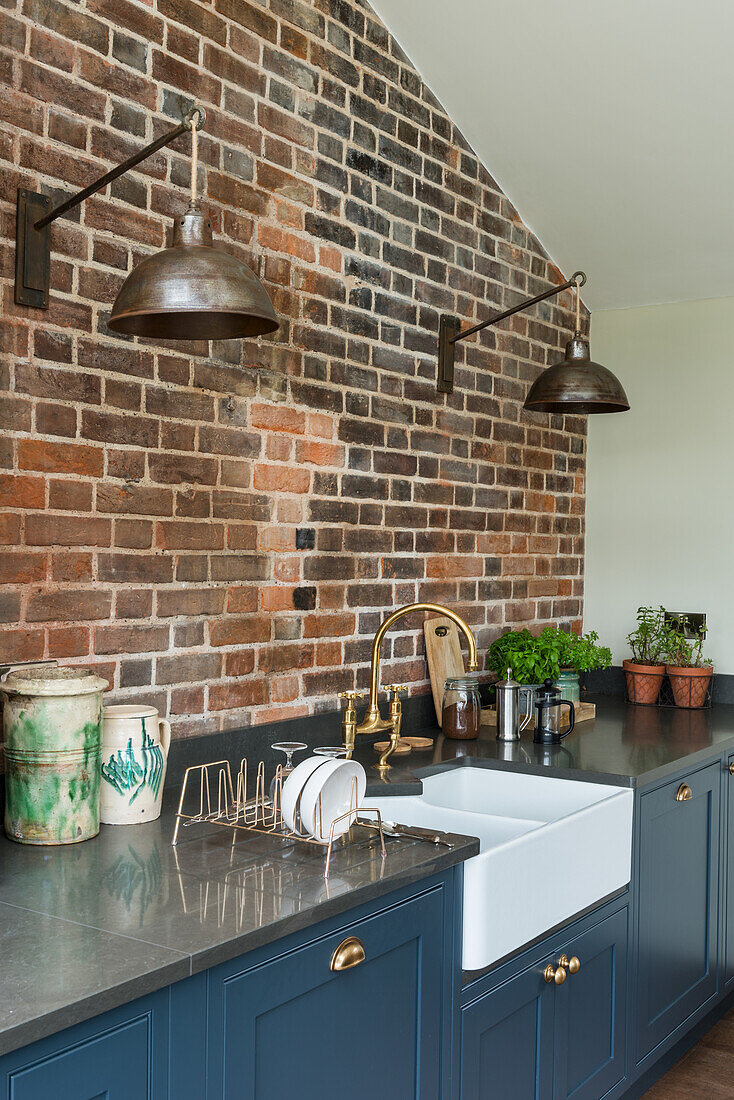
(706, 1072)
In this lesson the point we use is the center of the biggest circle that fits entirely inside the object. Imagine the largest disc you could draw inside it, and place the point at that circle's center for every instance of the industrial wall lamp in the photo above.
(574, 385)
(190, 291)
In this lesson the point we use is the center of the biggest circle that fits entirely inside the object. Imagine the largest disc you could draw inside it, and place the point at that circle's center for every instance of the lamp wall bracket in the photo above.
(35, 216)
(32, 250)
(447, 330)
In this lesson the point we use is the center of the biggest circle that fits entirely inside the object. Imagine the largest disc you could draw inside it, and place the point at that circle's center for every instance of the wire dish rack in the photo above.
(209, 795)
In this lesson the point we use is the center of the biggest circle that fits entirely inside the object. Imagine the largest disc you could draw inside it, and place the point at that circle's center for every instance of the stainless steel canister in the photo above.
(509, 720)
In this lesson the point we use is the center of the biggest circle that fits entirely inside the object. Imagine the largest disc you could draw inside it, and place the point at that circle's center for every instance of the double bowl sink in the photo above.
(548, 849)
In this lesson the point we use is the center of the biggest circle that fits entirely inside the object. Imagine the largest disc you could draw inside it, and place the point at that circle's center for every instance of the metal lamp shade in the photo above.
(192, 291)
(577, 385)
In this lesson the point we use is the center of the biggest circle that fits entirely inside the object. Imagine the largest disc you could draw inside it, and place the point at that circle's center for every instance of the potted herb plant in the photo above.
(553, 654)
(644, 673)
(580, 653)
(532, 658)
(688, 670)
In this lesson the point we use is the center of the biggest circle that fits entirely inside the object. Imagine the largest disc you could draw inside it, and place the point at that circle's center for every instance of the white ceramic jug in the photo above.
(135, 745)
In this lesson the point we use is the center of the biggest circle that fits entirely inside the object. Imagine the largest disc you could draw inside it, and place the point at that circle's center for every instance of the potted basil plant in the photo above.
(580, 653)
(532, 658)
(688, 670)
(645, 672)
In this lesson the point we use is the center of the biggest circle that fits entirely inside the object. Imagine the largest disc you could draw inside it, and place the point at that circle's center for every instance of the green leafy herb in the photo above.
(648, 642)
(534, 658)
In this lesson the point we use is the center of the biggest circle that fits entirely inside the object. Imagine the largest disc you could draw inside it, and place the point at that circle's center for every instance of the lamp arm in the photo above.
(131, 162)
(577, 279)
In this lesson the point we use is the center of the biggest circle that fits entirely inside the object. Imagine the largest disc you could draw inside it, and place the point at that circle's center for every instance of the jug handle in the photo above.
(164, 732)
(572, 716)
(527, 717)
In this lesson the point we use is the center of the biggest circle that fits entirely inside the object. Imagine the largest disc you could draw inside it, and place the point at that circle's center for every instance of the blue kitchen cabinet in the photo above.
(678, 899)
(727, 886)
(290, 1025)
(507, 1040)
(591, 1012)
(527, 1039)
(122, 1055)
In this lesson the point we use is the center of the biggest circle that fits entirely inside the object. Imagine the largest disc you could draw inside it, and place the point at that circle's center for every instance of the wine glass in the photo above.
(288, 748)
(332, 751)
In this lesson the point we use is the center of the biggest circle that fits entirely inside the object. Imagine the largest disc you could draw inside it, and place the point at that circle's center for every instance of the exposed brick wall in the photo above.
(221, 528)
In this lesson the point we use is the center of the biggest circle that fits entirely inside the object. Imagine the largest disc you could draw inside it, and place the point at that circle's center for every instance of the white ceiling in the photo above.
(608, 123)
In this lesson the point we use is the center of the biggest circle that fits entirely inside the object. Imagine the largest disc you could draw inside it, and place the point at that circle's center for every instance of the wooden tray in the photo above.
(584, 712)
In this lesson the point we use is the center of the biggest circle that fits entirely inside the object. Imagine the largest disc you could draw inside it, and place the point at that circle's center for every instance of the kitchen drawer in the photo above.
(291, 1026)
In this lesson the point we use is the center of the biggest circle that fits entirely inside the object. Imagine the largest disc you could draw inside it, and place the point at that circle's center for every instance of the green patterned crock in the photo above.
(52, 724)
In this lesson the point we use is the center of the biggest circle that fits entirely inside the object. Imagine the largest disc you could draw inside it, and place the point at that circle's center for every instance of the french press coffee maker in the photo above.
(509, 721)
(548, 705)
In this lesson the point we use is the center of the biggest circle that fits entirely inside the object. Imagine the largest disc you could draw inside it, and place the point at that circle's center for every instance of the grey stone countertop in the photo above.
(87, 927)
(627, 745)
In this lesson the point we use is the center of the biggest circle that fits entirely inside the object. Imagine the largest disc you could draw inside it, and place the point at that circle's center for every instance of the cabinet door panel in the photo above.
(590, 1025)
(507, 1041)
(678, 900)
(728, 887)
(292, 1027)
(111, 1066)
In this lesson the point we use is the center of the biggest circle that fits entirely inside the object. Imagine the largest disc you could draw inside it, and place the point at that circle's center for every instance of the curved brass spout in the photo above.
(373, 721)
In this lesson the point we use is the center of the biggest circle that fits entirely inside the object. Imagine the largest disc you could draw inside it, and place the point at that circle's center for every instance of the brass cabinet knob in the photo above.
(731, 768)
(552, 975)
(684, 793)
(349, 953)
(572, 965)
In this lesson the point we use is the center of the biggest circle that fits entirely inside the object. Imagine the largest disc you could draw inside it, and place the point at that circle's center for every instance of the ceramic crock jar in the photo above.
(52, 723)
(135, 745)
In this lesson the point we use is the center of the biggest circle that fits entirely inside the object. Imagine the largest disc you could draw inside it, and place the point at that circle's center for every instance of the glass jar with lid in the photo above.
(461, 714)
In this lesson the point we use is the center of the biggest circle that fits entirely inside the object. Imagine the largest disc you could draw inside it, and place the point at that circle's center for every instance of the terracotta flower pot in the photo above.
(690, 685)
(643, 681)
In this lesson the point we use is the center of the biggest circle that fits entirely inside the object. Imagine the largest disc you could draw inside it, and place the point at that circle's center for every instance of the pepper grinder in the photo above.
(508, 697)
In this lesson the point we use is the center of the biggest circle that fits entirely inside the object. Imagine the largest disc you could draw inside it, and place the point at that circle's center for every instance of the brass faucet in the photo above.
(373, 721)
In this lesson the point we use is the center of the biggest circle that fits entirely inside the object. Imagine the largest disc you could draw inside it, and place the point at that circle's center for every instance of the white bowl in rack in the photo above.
(329, 793)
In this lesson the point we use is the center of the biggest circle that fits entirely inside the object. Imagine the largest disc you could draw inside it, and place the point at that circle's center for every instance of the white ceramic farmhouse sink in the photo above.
(548, 849)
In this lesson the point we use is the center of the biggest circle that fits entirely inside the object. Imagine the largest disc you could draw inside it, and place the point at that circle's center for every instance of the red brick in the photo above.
(17, 491)
(130, 639)
(21, 568)
(9, 528)
(50, 530)
(55, 420)
(282, 478)
(68, 641)
(72, 565)
(49, 606)
(240, 600)
(239, 631)
(23, 644)
(246, 693)
(134, 500)
(183, 669)
(183, 535)
(133, 534)
(60, 458)
(319, 454)
(278, 418)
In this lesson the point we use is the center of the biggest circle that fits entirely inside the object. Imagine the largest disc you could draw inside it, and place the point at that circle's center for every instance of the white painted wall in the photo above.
(660, 489)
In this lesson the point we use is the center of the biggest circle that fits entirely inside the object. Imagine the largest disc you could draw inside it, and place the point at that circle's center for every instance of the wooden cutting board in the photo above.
(584, 712)
(443, 651)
